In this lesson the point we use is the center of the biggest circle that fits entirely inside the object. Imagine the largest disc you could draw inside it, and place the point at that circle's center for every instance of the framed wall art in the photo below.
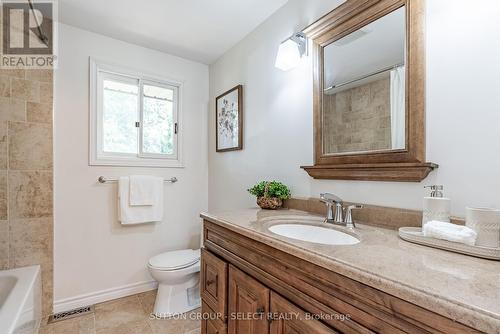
(229, 120)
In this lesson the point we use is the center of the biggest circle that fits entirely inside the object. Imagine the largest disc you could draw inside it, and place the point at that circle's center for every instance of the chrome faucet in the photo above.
(337, 217)
(330, 200)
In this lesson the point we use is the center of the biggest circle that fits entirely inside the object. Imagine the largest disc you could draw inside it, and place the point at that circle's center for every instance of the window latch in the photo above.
(137, 124)
(176, 128)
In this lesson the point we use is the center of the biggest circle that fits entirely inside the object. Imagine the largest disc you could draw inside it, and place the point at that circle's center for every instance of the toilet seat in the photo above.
(175, 260)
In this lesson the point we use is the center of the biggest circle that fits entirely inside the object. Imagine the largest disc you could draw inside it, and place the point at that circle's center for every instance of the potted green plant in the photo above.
(270, 194)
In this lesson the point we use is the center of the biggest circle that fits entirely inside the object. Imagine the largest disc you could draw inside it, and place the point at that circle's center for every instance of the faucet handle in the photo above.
(329, 198)
(323, 198)
(348, 216)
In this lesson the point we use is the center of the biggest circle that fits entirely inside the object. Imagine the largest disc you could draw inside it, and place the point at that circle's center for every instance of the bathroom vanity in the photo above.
(256, 281)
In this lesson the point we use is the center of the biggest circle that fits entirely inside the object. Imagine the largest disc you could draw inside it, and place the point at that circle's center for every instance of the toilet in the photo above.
(178, 277)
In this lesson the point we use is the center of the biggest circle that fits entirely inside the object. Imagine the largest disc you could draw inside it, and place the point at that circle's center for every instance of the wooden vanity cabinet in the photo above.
(213, 287)
(248, 304)
(252, 307)
(210, 323)
(289, 319)
(258, 289)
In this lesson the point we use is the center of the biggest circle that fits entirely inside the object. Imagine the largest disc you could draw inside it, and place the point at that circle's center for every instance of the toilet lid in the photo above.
(175, 259)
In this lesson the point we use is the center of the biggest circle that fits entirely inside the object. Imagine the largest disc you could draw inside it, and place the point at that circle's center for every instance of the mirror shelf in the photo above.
(401, 172)
(369, 92)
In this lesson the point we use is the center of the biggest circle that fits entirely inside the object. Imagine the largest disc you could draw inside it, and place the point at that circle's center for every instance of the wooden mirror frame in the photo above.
(396, 165)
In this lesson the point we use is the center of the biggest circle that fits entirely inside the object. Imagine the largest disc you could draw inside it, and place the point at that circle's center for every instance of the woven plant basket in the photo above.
(266, 202)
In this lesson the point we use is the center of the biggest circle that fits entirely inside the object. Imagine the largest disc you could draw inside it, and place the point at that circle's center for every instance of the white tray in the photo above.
(415, 235)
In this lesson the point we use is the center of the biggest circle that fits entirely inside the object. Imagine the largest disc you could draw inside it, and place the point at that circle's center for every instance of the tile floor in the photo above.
(129, 315)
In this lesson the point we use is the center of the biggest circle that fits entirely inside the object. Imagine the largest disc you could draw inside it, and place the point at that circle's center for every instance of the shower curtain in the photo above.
(398, 110)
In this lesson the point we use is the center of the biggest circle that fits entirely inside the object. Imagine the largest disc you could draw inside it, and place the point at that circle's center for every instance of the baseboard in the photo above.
(102, 296)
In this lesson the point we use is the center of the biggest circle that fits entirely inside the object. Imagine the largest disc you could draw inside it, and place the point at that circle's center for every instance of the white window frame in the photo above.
(97, 157)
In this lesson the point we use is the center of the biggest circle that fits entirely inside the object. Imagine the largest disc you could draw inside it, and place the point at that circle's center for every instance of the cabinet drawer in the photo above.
(211, 322)
(213, 283)
(286, 318)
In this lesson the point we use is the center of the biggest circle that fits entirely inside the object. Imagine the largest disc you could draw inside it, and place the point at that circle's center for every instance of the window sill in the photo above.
(151, 163)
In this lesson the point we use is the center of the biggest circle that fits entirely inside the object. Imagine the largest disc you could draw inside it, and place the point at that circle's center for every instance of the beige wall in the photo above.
(26, 227)
(359, 118)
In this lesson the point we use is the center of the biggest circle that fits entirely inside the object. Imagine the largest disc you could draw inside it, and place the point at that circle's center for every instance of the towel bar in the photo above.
(103, 179)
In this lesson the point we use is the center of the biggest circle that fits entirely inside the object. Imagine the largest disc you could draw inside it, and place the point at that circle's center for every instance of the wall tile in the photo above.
(30, 146)
(39, 112)
(39, 75)
(46, 93)
(380, 92)
(3, 195)
(360, 97)
(3, 145)
(30, 194)
(4, 86)
(4, 244)
(25, 90)
(31, 241)
(47, 287)
(12, 109)
(358, 119)
(13, 73)
(26, 184)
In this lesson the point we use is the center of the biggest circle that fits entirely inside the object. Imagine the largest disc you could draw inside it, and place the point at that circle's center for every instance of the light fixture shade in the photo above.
(288, 55)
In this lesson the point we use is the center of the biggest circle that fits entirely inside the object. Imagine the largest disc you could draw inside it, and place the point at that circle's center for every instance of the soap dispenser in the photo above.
(436, 207)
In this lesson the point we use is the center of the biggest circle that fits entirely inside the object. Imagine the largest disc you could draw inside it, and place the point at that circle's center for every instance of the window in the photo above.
(134, 119)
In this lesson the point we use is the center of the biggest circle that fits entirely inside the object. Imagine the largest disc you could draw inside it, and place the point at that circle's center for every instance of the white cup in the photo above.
(486, 223)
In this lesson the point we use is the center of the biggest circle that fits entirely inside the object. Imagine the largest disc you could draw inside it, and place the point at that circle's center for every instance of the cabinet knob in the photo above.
(260, 310)
(210, 282)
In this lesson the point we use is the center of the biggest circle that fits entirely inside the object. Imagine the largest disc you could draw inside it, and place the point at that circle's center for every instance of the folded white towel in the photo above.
(128, 214)
(450, 232)
(145, 189)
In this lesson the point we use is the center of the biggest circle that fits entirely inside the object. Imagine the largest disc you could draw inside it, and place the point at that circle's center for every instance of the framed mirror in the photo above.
(369, 92)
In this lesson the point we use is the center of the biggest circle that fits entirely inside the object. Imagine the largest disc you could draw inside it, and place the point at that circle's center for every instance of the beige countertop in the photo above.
(460, 287)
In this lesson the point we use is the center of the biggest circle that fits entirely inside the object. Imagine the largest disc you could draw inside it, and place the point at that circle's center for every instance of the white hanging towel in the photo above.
(145, 189)
(138, 214)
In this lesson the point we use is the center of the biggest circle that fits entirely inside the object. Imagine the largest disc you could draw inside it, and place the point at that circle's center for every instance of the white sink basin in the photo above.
(315, 234)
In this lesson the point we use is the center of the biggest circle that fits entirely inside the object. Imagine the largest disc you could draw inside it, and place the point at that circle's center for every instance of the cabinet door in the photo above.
(212, 327)
(213, 283)
(210, 322)
(248, 304)
(289, 319)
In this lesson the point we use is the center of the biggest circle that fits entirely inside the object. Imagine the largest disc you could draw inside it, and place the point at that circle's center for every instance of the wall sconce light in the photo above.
(291, 51)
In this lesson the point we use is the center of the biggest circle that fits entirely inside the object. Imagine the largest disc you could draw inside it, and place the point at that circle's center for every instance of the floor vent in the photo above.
(71, 314)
